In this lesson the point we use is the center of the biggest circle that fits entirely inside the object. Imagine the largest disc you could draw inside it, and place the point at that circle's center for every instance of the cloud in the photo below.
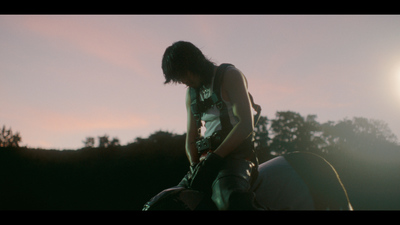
(94, 36)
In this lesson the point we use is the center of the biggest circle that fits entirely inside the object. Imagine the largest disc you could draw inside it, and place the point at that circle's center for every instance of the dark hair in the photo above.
(181, 57)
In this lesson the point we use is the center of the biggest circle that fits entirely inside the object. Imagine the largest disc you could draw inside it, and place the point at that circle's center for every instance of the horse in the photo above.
(293, 181)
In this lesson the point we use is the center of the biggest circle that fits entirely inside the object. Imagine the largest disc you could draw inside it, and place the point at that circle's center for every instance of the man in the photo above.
(294, 181)
(223, 164)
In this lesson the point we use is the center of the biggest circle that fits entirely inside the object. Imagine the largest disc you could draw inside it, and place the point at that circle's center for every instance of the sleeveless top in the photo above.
(211, 116)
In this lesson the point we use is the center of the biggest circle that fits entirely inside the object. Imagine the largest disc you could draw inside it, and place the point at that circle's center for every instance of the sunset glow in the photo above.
(63, 78)
(397, 75)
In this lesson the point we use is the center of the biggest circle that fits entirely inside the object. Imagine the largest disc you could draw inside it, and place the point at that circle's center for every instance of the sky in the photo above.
(67, 77)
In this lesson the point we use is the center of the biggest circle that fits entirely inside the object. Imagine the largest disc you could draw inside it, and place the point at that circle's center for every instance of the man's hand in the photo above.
(205, 172)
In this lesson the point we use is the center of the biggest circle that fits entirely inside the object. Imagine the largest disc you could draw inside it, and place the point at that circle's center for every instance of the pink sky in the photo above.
(64, 78)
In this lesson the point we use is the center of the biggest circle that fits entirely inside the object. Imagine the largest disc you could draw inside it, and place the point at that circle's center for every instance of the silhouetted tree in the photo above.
(114, 142)
(8, 139)
(261, 139)
(161, 136)
(358, 134)
(89, 142)
(310, 135)
(104, 142)
(294, 133)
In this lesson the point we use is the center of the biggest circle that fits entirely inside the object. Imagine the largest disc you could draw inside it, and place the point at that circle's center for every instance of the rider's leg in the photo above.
(231, 189)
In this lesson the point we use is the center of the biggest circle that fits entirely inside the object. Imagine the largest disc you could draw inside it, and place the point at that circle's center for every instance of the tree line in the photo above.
(108, 175)
(290, 132)
(104, 142)
(287, 132)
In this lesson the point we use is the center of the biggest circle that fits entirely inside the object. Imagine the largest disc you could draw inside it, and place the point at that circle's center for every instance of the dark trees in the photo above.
(8, 139)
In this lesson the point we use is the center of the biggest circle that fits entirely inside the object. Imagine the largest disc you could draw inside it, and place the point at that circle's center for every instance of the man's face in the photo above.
(191, 80)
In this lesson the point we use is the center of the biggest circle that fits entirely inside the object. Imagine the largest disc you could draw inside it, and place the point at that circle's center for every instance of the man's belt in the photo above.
(209, 143)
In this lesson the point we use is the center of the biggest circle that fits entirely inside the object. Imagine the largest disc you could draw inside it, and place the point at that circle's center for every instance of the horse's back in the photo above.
(300, 181)
(278, 187)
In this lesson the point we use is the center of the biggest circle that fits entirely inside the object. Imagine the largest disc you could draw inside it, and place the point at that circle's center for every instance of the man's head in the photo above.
(184, 63)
